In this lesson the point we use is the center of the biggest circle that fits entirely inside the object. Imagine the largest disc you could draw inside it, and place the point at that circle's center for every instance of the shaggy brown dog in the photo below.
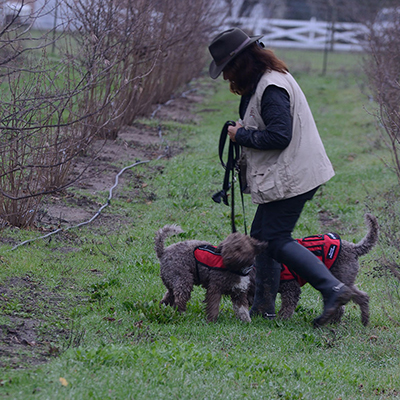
(345, 269)
(180, 271)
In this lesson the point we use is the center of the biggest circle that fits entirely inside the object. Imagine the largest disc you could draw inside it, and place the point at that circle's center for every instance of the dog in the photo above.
(223, 271)
(345, 269)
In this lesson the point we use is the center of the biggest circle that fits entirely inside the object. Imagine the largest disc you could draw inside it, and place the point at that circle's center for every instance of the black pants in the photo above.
(274, 222)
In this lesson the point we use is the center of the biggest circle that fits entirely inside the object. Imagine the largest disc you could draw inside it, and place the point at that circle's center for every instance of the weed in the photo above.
(99, 291)
(152, 311)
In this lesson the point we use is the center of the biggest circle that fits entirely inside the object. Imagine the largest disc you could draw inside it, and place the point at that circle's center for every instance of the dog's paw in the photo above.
(242, 313)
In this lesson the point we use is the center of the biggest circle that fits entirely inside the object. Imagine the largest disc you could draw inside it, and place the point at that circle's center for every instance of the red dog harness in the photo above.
(325, 247)
(207, 256)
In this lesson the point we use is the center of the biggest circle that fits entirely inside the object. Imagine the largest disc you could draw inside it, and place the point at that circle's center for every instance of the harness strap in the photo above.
(207, 256)
(230, 167)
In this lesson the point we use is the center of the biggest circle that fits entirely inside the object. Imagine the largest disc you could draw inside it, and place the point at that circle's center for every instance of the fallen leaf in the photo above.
(63, 382)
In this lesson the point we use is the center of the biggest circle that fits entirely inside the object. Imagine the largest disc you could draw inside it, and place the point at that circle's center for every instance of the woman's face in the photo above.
(227, 74)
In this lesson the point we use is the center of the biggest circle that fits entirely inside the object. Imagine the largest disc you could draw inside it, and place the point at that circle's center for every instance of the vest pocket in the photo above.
(268, 185)
(264, 182)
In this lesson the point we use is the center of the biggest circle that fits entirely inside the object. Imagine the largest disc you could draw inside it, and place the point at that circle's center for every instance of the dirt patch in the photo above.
(33, 324)
(330, 221)
(138, 142)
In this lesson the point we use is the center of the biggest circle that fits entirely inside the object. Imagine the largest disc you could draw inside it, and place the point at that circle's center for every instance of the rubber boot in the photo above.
(268, 273)
(304, 263)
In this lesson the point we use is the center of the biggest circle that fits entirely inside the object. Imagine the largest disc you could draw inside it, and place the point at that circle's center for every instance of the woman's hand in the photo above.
(232, 131)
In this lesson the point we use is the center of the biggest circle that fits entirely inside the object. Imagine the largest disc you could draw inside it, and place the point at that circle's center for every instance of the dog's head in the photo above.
(238, 251)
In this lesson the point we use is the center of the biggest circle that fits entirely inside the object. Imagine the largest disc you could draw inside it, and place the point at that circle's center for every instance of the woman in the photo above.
(286, 163)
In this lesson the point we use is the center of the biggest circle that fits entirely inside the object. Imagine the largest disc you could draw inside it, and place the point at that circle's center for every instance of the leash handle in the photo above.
(230, 166)
(222, 141)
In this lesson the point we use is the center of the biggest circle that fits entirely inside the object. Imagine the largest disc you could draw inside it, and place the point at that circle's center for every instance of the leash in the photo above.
(231, 167)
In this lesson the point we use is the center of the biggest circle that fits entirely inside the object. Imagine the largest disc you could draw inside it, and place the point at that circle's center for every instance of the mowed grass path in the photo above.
(122, 345)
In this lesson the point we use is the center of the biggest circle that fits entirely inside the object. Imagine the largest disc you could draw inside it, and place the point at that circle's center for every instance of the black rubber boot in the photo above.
(268, 273)
(304, 263)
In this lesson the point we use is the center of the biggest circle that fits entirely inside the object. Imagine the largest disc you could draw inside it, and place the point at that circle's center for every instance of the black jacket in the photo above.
(275, 112)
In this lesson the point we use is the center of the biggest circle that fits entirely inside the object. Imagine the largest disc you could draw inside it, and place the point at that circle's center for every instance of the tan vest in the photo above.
(300, 167)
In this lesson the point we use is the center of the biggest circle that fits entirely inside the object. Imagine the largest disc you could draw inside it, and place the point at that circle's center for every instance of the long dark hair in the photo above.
(245, 70)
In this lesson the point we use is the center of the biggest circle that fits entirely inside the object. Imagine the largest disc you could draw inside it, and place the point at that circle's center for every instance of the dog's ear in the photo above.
(259, 247)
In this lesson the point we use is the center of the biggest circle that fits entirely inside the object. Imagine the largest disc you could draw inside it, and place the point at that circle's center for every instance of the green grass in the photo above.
(111, 340)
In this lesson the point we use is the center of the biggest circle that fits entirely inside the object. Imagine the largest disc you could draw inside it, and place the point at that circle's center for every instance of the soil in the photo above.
(26, 337)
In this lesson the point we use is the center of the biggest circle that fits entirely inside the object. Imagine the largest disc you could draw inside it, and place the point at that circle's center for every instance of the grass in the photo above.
(107, 338)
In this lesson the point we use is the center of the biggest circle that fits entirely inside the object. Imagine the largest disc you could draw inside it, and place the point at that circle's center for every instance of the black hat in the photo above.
(226, 46)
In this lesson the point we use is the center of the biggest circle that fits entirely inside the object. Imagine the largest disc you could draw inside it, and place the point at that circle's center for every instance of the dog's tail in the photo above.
(370, 239)
(162, 234)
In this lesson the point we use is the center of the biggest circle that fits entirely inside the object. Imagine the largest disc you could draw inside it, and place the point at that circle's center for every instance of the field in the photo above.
(80, 316)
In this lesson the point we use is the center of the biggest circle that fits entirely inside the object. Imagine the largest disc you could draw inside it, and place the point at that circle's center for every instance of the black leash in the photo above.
(231, 167)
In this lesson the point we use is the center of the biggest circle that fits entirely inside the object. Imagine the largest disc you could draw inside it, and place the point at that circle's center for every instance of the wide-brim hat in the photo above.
(226, 46)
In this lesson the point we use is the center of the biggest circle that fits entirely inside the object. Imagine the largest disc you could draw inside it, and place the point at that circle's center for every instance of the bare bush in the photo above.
(36, 148)
(106, 65)
(149, 50)
(382, 67)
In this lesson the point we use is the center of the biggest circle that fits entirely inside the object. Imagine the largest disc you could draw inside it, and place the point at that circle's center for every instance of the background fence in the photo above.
(310, 34)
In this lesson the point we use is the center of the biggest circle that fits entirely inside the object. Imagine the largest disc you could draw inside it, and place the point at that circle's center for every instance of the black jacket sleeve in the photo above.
(275, 112)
